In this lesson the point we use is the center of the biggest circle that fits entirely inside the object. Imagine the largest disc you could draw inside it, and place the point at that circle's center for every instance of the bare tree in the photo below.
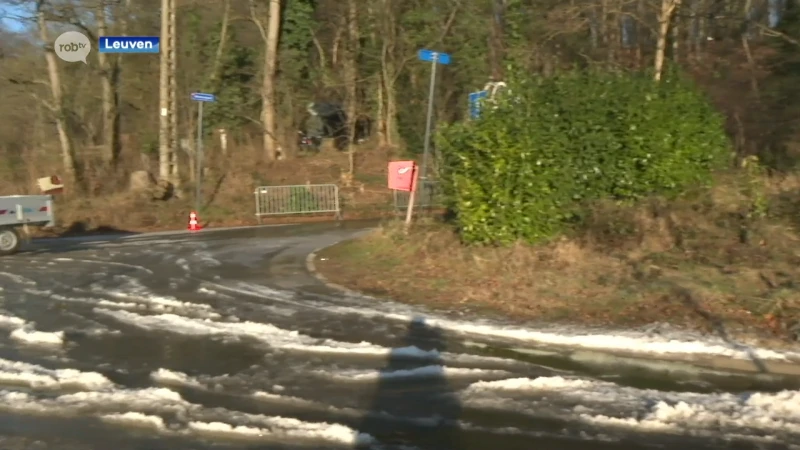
(110, 95)
(387, 124)
(270, 31)
(72, 170)
(668, 8)
(351, 78)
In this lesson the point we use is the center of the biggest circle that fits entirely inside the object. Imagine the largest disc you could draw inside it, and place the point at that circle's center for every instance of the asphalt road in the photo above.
(221, 339)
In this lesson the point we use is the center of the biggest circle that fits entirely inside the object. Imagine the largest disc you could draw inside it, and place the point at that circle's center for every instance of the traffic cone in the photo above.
(194, 225)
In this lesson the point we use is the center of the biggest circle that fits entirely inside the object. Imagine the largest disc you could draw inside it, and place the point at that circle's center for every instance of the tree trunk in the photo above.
(268, 110)
(351, 78)
(496, 40)
(664, 18)
(388, 76)
(72, 171)
(751, 64)
(216, 67)
(109, 95)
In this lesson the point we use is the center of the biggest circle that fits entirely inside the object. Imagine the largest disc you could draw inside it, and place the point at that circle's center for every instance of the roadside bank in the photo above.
(581, 317)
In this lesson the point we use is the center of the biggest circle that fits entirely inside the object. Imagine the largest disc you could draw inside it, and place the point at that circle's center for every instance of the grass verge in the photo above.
(699, 263)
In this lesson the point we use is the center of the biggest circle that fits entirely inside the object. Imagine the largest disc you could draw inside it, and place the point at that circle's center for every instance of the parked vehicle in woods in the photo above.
(329, 121)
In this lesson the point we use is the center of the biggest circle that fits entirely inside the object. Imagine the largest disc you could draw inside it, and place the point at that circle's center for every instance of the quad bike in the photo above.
(308, 144)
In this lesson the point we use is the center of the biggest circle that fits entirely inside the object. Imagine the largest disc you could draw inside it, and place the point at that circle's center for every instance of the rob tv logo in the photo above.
(72, 47)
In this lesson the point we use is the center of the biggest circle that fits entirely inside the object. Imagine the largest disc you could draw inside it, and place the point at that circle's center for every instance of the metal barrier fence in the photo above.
(429, 195)
(297, 199)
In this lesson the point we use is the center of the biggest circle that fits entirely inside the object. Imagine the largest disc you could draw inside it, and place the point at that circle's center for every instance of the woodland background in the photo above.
(96, 124)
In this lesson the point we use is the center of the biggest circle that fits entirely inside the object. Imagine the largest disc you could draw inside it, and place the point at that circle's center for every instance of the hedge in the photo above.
(526, 169)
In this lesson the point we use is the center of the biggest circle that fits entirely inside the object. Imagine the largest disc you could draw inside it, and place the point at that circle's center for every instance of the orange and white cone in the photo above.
(194, 225)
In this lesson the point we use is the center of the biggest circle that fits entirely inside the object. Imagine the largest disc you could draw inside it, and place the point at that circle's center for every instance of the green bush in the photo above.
(526, 169)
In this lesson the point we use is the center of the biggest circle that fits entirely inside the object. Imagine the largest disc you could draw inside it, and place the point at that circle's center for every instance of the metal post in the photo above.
(411, 200)
(429, 123)
(199, 158)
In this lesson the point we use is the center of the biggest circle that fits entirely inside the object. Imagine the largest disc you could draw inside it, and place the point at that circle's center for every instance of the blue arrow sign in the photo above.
(432, 56)
(474, 103)
(201, 97)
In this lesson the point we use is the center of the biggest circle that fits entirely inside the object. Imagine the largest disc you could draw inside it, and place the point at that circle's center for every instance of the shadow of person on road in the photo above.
(414, 404)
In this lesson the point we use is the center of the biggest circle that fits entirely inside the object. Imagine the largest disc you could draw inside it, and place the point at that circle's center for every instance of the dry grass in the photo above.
(698, 262)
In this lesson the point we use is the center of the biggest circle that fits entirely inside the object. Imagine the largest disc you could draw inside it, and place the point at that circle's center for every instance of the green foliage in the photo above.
(527, 169)
(235, 98)
(236, 72)
(296, 44)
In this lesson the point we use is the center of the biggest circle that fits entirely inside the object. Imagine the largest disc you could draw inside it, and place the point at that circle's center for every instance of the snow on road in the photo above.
(274, 366)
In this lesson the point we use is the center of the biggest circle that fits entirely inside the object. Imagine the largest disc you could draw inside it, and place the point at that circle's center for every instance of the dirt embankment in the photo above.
(228, 198)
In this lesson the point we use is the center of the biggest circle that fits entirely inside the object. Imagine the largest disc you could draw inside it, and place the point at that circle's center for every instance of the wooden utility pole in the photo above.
(168, 102)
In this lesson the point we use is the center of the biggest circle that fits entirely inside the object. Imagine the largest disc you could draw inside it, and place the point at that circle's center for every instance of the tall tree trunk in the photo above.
(668, 8)
(269, 35)
(72, 171)
(751, 64)
(389, 75)
(109, 94)
(216, 66)
(351, 78)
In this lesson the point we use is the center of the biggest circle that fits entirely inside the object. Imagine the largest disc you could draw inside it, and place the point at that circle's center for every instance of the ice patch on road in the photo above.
(181, 379)
(631, 342)
(144, 400)
(145, 407)
(136, 420)
(285, 429)
(106, 263)
(11, 322)
(432, 371)
(636, 343)
(84, 300)
(24, 332)
(18, 279)
(607, 404)
(213, 293)
(132, 290)
(38, 338)
(183, 264)
(37, 377)
(265, 333)
(171, 377)
(206, 259)
(284, 339)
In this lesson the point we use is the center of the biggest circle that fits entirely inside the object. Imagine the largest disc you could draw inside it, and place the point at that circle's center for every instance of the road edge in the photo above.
(311, 267)
(726, 364)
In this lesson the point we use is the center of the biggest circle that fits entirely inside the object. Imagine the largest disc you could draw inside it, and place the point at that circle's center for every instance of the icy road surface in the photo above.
(222, 340)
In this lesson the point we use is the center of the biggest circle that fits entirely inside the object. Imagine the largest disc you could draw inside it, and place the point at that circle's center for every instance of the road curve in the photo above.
(223, 340)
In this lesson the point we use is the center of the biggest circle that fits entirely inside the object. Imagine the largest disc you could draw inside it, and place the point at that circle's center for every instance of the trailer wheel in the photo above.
(9, 241)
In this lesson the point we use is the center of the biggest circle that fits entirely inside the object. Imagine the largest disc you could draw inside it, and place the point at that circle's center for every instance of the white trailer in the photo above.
(22, 211)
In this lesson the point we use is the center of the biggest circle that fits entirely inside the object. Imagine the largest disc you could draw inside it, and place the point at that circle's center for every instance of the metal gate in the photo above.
(429, 195)
(297, 199)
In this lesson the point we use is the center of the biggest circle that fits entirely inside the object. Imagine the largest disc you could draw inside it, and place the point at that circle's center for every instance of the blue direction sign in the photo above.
(201, 97)
(475, 104)
(432, 56)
